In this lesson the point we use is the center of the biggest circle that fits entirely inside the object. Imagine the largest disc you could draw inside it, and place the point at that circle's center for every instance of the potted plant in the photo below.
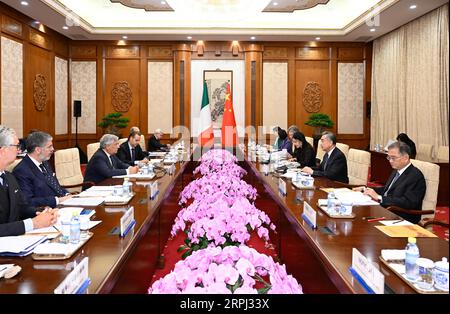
(319, 121)
(112, 122)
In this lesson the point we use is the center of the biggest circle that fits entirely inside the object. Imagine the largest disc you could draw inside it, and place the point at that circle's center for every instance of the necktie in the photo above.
(325, 161)
(4, 181)
(397, 174)
(133, 155)
(52, 181)
(111, 160)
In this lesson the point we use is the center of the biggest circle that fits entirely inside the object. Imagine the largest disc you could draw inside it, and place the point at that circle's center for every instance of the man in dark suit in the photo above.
(130, 151)
(104, 163)
(16, 215)
(405, 187)
(36, 179)
(154, 143)
(334, 163)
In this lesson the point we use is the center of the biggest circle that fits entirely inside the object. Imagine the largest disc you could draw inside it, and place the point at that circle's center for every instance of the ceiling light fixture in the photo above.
(163, 2)
(65, 27)
(125, 37)
(253, 38)
(317, 38)
(189, 37)
(372, 29)
(24, 3)
(275, 3)
(413, 6)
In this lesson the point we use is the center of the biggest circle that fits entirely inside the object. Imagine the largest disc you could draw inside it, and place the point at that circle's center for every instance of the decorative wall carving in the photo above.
(160, 52)
(40, 92)
(312, 97)
(11, 26)
(83, 51)
(121, 96)
(147, 5)
(40, 39)
(123, 52)
(293, 5)
(275, 52)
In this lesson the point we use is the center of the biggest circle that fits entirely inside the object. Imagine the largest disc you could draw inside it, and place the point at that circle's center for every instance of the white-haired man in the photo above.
(154, 143)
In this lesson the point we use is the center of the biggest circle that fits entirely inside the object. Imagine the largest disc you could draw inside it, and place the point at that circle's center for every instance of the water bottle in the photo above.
(330, 201)
(74, 229)
(126, 186)
(411, 256)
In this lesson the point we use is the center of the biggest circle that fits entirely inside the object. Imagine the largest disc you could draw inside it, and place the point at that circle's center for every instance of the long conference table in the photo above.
(319, 261)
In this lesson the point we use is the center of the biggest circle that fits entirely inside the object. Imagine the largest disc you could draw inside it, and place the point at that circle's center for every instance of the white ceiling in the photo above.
(336, 20)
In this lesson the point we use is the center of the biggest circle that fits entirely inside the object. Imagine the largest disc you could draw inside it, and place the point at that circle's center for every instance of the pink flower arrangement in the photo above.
(218, 223)
(231, 169)
(233, 269)
(216, 186)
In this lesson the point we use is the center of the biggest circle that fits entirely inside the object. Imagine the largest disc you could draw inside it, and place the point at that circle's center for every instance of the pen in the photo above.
(376, 219)
(369, 217)
(395, 222)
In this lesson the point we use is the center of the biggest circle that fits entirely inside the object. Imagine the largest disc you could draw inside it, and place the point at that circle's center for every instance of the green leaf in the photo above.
(181, 248)
(264, 290)
(186, 254)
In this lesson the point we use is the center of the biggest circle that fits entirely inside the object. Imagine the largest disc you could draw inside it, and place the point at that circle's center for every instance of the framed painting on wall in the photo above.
(216, 81)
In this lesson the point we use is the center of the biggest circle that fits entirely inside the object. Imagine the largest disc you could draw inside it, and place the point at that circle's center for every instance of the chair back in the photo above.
(91, 149)
(343, 148)
(431, 173)
(67, 168)
(310, 140)
(320, 153)
(11, 167)
(425, 152)
(442, 154)
(358, 162)
(142, 143)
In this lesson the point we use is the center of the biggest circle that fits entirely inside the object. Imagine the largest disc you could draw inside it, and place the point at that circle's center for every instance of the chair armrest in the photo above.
(409, 211)
(434, 222)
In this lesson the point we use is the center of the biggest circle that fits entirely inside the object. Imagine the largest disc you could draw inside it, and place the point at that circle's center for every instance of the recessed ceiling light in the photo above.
(372, 29)
(163, 2)
(65, 27)
(413, 6)
(24, 3)
(125, 37)
(36, 22)
(317, 38)
(253, 38)
(275, 3)
(189, 37)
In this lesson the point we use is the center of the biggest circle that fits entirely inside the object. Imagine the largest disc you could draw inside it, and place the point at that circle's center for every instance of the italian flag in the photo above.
(206, 136)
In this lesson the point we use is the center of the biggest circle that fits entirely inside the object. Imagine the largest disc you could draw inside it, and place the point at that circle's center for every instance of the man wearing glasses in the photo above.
(16, 215)
(36, 179)
(405, 187)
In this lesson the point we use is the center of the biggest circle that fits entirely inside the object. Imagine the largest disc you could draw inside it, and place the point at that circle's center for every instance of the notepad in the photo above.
(414, 231)
(136, 176)
(20, 245)
(83, 201)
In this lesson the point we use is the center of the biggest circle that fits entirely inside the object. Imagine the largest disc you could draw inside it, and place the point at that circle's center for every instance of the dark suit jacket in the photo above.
(305, 156)
(154, 144)
(407, 192)
(99, 168)
(124, 153)
(336, 167)
(33, 184)
(11, 216)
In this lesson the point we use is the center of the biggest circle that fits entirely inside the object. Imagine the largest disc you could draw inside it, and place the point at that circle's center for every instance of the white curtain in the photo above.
(410, 82)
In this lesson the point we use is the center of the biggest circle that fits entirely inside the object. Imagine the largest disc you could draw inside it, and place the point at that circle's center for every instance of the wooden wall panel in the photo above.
(39, 61)
(313, 71)
(83, 51)
(12, 26)
(123, 71)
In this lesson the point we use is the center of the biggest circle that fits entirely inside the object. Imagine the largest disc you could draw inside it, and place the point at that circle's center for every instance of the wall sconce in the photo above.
(200, 48)
(235, 48)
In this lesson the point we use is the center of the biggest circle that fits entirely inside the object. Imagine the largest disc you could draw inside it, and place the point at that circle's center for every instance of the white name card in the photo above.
(310, 215)
(282, 186)
(154, 190)
(77, 281)
(265, 169)
(367, 272)
(127, 221)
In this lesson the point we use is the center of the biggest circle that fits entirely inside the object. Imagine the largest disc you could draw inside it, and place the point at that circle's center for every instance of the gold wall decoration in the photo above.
(121, 96)
(312, 97)
(40, 92)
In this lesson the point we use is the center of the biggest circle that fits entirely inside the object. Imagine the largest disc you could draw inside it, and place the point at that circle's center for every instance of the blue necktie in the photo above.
(51, 180)
(397, 174)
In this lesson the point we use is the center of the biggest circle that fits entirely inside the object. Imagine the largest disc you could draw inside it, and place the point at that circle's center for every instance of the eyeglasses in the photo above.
(393, 158)
(17, 146)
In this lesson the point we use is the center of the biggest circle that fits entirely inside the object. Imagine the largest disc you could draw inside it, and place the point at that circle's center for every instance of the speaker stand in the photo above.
(83, 156)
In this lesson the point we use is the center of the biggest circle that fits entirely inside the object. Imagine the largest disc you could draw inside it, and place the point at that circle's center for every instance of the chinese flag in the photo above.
(229, 132)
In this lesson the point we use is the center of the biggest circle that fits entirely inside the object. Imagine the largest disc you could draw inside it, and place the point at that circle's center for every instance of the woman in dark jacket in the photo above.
(402, 137)
(304, 152)
(283, 140)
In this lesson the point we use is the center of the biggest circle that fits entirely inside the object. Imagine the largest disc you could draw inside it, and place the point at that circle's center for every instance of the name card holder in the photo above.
(309, 215)
(366, 273)
(127, 221)
(265, 169)
(77, 281)
(154, 190)
(282, 186)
